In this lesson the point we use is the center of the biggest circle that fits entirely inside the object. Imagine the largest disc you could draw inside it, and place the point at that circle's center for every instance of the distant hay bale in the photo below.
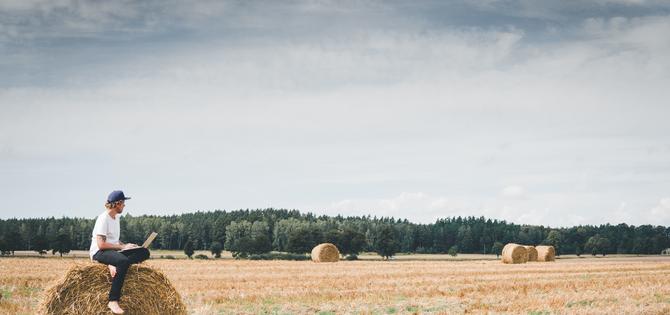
(546, 253)
(514, 254)
(84, 290)
(325, 252)
(532, 253)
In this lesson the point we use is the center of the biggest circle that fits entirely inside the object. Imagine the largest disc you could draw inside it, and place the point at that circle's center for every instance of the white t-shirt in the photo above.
(107, 226)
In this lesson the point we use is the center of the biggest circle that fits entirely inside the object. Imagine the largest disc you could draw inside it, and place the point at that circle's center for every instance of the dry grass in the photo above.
(157, 253)
(582, 286)
(532, 253)
(83, 290)
(545, 253)
(514, 254)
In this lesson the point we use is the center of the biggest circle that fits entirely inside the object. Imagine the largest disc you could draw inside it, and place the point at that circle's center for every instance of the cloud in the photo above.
(239, 53)
(661, 212)
(354, 104)
(625, 2)
(417, 206)
(555, 210)
(426, 208)
(90, 19)
(640, 213)
(514, 192)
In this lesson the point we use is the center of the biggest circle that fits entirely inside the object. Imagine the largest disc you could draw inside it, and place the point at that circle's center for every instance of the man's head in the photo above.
(116, 201)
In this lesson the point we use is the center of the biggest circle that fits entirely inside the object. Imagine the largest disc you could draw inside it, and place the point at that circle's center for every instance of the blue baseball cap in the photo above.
(116, 195)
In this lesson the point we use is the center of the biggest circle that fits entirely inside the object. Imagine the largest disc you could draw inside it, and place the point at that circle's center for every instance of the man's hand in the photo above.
(129, 246)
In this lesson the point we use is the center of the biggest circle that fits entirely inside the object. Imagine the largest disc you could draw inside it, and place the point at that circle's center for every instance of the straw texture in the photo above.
(514, 254)
(325, 252)
(84, 290)
(532, 253)
(546, 253)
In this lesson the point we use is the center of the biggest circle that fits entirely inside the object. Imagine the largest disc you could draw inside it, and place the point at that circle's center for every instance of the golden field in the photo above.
(613, 285)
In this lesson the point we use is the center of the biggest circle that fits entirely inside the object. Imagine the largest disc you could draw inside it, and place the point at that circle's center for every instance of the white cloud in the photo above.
(622, 214)
(514, 192)
(416, 206)
(660, 214)
(641, 213)
(626, 2)
(424, 208)
(357, 113)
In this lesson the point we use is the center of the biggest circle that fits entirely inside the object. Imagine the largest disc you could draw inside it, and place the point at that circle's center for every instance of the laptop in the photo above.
(146, 244)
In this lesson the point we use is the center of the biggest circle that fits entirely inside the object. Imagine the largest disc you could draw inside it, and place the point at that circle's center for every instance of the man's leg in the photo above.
(136, 255)
(121, 262)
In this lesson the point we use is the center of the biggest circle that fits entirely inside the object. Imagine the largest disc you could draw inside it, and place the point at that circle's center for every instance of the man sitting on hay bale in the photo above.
(109, 250)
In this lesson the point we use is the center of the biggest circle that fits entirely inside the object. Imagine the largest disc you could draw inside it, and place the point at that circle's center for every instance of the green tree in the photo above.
(591, 245)
(62, 244)
(471, 234)
(333, 236)
(523, 237)
(12, 242)
(40, 244)
(466, 241)
(301, 240)
(260, 238)
(25, 232)
(219, 230)
(603, 244)
(408, 237)
(638, 246)
(166, 235)
(497, 248)
(3, 247)
(597, 244)
(216, 249)
(453, 251)
(386, 243)
(554, 239)
(238, 238)
(188, 249)
(350, 241)
(281, 231)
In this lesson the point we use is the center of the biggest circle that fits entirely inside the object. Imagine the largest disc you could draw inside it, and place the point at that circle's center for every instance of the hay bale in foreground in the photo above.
(325, 252)
(532, 253)
(546, 253)
(514, 254)
(85, 288)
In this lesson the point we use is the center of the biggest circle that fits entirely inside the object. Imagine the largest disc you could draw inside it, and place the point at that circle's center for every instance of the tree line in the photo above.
(250, 232)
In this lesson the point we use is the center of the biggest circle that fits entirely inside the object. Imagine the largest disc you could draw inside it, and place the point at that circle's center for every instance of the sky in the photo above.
(552, 113)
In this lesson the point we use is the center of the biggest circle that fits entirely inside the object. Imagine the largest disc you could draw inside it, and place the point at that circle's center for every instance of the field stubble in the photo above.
(588, 286)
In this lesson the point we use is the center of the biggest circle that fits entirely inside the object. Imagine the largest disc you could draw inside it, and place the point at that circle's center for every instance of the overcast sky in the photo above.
(536, 112)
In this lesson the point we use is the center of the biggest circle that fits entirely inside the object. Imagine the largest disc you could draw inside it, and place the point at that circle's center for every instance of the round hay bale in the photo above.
(532, 253)
(85, 288)
(325, 252)
(514, 254)
(546, 253)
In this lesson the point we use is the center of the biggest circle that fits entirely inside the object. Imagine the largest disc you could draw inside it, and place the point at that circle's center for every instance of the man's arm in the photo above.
(102, 244)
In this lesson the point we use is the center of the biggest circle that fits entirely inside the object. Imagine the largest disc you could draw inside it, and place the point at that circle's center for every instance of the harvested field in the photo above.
(590, 285)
